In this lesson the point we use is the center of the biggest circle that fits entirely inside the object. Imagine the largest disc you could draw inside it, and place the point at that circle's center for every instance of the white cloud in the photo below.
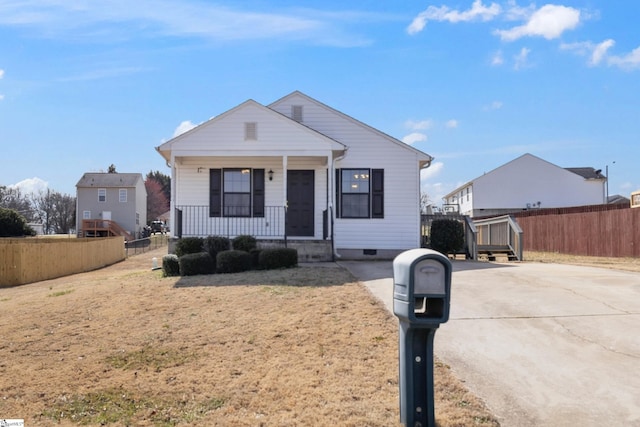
(414, 137)
(123, 19)
(495, 105)
(629, 61)
(1, 73)
(1, 97)
(31, 185)
(600, 51)
(432, 171)
(497, 59)
(419, 125)
(521, 59)
(451, 124)
(550, 21)
(183, 127)
(478, 12)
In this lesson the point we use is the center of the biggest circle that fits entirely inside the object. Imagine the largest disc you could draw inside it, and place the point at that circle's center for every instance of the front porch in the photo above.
(272, 230)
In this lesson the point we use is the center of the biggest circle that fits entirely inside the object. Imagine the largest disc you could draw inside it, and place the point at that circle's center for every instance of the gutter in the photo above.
(333, 179)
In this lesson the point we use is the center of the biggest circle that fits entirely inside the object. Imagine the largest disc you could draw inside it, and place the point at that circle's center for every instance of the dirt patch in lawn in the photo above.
(125, 346)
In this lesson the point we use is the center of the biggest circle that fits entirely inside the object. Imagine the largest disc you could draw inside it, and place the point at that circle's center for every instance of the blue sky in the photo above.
(84, 84)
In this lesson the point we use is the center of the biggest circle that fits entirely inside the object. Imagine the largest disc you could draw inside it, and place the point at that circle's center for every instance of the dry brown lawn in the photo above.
(627, 264)
(125, 346)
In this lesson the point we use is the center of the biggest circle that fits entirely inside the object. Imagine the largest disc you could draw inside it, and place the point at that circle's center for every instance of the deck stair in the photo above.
(103, 228)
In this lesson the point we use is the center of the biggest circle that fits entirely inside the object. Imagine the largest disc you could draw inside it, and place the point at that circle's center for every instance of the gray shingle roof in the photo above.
(587, 173)
(108, 180)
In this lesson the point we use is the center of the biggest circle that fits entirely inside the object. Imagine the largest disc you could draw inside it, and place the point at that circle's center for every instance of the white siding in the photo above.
(529, 180)
(400, 227)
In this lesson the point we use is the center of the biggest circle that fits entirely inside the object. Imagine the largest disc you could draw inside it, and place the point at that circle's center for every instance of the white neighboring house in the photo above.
(296, 170)
(525, 183)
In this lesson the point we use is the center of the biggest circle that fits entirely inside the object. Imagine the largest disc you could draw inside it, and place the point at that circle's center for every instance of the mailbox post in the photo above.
(421, 299)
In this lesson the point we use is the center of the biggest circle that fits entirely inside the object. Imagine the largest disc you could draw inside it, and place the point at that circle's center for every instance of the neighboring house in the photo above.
(116, 202)
(296, 170)
(528, 182)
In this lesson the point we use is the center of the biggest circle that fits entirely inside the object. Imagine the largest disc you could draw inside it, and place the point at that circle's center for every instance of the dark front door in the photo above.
(300, 196)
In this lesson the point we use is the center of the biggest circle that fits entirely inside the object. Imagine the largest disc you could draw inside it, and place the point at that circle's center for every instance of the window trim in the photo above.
(375, 194)
(122, 191)
(102, 193)
(217, 193)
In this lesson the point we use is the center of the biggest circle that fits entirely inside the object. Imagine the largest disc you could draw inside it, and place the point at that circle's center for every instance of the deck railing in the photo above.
(194, 221)
(500, 233)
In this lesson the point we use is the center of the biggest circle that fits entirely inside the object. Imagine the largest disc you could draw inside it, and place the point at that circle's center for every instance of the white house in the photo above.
(528, 182)
(296, 170)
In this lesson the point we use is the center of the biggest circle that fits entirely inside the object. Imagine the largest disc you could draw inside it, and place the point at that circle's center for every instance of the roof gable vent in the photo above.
(296, 113)
(250, 131)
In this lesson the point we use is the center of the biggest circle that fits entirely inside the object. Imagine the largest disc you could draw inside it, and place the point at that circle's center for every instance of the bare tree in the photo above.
(12, 198)
(55, 211)
(425, 202)
(157, 202)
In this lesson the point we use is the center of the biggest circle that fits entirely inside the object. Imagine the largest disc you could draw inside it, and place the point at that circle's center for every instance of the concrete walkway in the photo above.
(541, 344)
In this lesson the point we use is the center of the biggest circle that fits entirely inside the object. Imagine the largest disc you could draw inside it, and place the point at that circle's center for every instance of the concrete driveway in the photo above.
(541, 344)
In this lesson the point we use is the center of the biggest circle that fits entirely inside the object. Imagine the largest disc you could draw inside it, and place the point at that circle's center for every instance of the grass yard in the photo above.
(124, 346)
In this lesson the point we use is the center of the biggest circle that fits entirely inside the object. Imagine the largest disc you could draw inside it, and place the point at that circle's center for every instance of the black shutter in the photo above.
(377, 193)
(258, 193)
(338, 192)
(215, 192)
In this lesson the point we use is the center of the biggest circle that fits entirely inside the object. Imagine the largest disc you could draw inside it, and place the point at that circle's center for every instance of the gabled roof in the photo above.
(585, 172)
(588, 173)
(166, 148)
(108, 180)
(426, 158)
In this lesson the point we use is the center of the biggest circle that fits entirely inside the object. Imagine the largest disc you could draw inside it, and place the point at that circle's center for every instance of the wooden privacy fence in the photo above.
(30, 260)
(606, 233)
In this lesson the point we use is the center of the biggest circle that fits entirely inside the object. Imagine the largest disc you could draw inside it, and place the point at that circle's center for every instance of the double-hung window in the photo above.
(102, 194)
(122, 195)
(236, 192)
(360, 193)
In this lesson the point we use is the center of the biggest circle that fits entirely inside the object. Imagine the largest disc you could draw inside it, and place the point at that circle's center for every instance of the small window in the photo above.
(122, 195)
(236, 192)
(251, 131)
(296, 113)
(86, 214)
(467, 194)
(137, 218)
(102, 194)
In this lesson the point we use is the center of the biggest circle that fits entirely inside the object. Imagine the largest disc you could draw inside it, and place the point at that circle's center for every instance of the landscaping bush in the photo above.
(198, 263)
(12, 224)
(245, 243)
(216, 244)
(255, 258)
(170, 265)
(447, 236)
(189, 245)
(270, 259)
(233, 261)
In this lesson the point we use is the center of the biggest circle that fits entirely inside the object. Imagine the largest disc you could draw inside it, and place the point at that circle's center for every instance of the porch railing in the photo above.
(194, 221)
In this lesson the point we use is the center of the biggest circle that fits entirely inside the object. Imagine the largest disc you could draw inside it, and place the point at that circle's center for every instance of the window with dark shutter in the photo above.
(360, 193)
(215, 192)
(258, 193)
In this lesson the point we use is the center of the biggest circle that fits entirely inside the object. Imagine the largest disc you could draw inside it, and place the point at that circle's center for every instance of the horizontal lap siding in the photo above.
(399, 229)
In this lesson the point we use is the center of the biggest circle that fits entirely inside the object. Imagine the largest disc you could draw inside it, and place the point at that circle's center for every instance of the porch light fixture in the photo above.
(270, 174)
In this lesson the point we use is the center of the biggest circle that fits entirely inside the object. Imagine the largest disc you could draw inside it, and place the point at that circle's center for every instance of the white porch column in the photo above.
(172, 201)
(284, 181)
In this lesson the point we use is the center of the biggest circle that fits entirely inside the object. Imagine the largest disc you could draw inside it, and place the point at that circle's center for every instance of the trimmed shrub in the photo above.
(170, 265)
(216, 244)
(189, 245)
(12, 224)
(245, 243)
(233, 261)
(447, 236)
(199, 263)
(270, 259)
(255, 258)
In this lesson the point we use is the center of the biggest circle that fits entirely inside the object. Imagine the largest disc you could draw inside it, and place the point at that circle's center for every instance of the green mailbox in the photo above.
(421, 300)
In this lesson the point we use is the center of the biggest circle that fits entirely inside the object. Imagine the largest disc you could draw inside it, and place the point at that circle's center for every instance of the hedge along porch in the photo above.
(296, 171)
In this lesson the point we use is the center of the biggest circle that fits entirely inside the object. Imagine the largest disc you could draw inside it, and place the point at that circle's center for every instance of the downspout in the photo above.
(333, 194)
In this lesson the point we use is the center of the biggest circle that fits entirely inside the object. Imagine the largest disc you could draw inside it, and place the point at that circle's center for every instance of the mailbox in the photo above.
(422, 287)
(421, 300)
